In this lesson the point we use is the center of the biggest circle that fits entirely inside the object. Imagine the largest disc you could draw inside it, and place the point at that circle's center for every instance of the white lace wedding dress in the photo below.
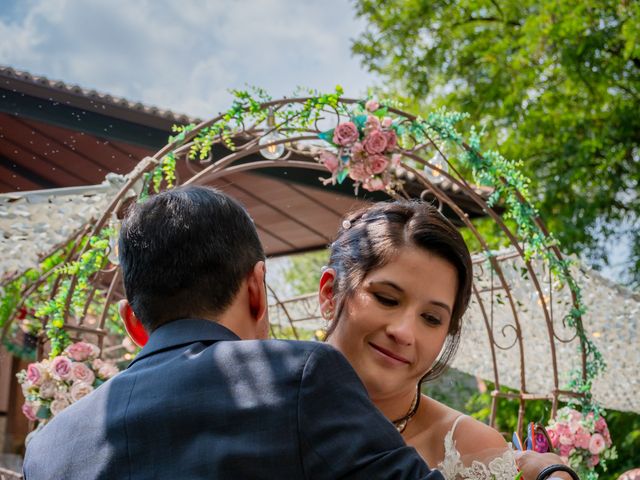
(501, 467)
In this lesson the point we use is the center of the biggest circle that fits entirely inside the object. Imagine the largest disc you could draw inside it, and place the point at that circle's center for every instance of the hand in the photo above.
(531, 463)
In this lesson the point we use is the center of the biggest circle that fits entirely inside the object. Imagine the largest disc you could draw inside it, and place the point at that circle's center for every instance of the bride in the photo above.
(395, 290)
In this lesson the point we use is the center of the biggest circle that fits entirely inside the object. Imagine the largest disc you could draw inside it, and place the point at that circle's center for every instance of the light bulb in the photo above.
(271, 152)
(434, 175)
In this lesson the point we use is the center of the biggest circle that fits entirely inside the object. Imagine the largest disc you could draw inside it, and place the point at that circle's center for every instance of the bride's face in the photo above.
(395, 323)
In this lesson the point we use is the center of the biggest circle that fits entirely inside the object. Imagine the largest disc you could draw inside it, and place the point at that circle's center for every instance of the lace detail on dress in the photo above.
(452, 467)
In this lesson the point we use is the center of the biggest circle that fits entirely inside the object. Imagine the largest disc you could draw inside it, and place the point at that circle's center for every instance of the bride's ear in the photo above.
(132, 324)
(326, 294)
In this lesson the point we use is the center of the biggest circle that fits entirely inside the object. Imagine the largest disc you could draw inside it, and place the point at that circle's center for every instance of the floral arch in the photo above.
(379, 148)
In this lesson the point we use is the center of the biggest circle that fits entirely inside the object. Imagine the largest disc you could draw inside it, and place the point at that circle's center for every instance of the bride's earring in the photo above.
(327, 314)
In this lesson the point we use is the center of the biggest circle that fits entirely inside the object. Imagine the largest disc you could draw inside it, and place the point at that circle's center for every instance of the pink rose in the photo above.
(392, 139)
(358, 171)
(582, 438)
(81, 351)
(80, 390)
(566, 439)
(595, 460)
(607, 436)
(601, 424)
(357, 152)
(375, 142)
(35, 375)
(372, 105)
(105, 370)
(329, 160)
(345, 134)
(386, 122)
(378, 163)
(61, 368)
(596, 444)
(565, 450)
(81, 373)
(29, 411)
(563, 429)
(374, 184)
(553, 436)
(58, 405)
(372, 123)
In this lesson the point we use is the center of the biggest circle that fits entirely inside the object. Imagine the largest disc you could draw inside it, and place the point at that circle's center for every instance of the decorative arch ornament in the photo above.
(378, 147)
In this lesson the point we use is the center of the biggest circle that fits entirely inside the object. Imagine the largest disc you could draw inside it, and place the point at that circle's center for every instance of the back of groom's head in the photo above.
(184, 253)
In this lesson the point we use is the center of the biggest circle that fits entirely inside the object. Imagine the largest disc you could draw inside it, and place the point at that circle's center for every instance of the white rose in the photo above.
(58, 405)
(48, 389)
(79, 390)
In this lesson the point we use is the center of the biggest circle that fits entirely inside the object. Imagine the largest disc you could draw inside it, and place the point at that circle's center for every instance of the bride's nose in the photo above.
(401, 329)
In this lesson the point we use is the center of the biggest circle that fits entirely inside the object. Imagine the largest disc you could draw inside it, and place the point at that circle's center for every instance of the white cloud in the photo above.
(185, 55)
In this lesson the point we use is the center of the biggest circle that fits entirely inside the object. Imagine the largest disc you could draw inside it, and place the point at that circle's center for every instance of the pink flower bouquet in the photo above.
(365, 149)
(53, 384)
(583, 441)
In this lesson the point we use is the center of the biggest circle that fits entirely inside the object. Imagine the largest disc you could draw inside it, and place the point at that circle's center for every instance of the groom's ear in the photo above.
(132, 324)
(257, 288)
(325, 291)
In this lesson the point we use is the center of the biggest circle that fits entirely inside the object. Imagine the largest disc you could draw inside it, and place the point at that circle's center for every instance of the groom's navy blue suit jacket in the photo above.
(198, 403)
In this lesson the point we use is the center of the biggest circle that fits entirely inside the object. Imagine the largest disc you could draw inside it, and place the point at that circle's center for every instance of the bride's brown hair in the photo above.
(371, 237)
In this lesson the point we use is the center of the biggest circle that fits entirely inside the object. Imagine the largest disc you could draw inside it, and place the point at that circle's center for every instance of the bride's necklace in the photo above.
(402, 422)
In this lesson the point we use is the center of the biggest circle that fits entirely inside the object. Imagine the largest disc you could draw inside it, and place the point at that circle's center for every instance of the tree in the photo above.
(555, 84)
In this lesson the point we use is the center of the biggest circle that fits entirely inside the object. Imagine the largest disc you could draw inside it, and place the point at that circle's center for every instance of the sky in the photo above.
(185, 55)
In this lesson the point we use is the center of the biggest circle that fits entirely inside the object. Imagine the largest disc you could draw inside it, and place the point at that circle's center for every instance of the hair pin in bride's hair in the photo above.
(346, 224)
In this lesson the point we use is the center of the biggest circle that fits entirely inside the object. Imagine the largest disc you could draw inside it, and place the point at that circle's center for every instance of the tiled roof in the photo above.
(80, 93)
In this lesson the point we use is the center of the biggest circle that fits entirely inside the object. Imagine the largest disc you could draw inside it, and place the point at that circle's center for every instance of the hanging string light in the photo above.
(434, 170)
(271, 151)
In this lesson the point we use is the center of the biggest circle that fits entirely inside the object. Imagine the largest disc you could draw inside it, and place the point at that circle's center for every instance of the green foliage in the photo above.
(247, 107)
(557, 85)
(54, 310)
(303, 275)
(287, 333)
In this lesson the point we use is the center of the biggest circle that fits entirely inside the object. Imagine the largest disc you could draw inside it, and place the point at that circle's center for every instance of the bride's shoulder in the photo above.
(472, 436)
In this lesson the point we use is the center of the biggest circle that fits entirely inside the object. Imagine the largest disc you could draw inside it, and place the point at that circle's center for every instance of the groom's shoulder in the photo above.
(287, 352)
(295, 348)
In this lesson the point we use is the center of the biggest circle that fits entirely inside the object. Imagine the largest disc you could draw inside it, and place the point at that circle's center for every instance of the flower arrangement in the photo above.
(364, 149)
(583, 441)
(53, 384)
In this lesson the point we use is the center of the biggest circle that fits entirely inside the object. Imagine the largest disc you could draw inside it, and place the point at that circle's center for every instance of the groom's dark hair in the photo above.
(184, 253)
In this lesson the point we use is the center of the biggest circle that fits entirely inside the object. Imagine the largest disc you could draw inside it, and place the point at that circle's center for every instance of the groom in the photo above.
(197, 402)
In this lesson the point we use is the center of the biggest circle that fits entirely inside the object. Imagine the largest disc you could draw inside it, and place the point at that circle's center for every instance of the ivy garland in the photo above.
(487, 168)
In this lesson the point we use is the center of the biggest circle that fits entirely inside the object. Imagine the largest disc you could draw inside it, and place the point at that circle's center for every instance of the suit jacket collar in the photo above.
(183, 332)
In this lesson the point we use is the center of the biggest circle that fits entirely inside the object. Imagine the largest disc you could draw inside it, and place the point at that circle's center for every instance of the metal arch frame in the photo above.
(228, 165)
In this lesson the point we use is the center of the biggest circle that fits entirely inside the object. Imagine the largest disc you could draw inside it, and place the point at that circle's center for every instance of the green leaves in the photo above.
(555, 83)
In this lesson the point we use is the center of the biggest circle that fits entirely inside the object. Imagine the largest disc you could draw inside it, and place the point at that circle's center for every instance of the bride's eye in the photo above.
(387, 301)
(432, 319)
